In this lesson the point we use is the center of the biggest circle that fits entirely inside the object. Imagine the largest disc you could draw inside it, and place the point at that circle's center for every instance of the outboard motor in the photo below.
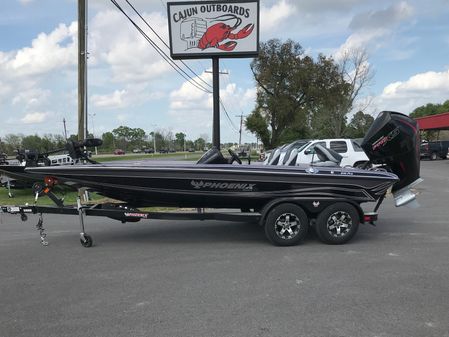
(393, 140)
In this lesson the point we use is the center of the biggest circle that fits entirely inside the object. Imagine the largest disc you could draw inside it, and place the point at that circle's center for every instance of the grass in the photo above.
(25, 196)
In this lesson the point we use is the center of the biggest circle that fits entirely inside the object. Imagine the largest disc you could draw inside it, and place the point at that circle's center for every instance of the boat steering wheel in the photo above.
(234, 156)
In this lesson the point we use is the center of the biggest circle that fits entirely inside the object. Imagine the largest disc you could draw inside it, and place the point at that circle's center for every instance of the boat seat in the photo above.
(327, 157)
(291, 161)
(212, 156)
(274, 160)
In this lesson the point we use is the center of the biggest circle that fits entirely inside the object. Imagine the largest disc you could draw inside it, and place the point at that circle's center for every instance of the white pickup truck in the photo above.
(302, 152)
(349, 149)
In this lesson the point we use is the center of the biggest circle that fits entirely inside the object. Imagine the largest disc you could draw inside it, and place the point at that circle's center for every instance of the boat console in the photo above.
(214, 156)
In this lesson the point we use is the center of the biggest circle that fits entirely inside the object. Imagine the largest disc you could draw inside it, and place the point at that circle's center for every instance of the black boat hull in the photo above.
(222, 186)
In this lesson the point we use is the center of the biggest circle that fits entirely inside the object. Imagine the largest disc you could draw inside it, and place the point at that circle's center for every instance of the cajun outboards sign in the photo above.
(202, 29)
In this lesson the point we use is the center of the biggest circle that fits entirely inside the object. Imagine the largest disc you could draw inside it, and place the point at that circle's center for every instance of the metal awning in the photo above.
(434, 122)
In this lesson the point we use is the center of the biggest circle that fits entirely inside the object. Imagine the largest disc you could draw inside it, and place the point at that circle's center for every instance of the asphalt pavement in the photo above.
(212, 278)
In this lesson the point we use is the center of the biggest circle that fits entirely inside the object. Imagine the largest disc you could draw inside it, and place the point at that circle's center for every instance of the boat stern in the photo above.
(393, 141)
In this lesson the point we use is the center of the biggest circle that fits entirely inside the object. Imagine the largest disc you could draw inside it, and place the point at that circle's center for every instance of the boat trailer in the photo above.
(282, 219)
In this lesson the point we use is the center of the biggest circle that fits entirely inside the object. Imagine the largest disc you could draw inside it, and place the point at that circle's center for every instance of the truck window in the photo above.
(356, 146)
(312, 147)
(339, 146)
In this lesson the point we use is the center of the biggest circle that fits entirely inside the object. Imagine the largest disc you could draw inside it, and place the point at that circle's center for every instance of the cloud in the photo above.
(272, 17)
(372, 29)
(419, 89)
(191, 109)
(26, 2)
(132, 95)
(388, 17)
(48, 52)
(35, 117)
(33, 97)
(115, 43)
(113, 100)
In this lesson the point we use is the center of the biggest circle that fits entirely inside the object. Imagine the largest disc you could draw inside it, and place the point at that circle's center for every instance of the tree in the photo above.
(296, 95)
(32, 143)
(282, 76)
(126, 135)
(200, 144)
(180, 140)
(358, 73)
(355, 75)
(108, 141)
(327, 112)
(359, 125)
(205, 136)
(430, 109)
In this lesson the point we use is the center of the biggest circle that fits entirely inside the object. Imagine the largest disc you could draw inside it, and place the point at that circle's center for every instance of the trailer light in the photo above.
(50, 181)
(369, 217)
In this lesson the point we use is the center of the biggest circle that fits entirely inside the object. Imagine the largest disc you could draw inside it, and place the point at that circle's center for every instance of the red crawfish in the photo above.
(221, 31)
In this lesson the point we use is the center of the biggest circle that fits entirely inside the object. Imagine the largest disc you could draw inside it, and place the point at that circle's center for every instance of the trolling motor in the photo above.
(77, 149)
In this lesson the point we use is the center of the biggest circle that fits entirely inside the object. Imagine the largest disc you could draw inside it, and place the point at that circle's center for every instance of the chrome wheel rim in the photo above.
(339, 224)
(287, 226)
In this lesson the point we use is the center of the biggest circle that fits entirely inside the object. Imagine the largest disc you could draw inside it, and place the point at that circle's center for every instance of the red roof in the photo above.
(434, 122)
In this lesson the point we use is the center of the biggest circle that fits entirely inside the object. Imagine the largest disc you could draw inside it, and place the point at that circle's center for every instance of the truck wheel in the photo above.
(286, 225)
(337, 223)
(433, 156)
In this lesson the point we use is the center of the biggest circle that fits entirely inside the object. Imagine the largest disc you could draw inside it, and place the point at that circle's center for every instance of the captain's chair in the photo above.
(327, 157)
(274, 158)
(291, 161)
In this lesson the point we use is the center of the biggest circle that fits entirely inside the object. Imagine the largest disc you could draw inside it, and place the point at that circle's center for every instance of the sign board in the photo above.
(204, 29)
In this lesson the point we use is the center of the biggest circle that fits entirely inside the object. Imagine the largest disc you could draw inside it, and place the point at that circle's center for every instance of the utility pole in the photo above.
(241, 126)
(65, 129)
(216, 98)
(82, 69)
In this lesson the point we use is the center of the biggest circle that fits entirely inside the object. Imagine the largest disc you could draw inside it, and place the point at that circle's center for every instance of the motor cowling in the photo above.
(393, 140)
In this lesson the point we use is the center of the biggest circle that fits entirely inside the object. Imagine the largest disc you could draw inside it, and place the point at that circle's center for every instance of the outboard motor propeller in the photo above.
(393, 140)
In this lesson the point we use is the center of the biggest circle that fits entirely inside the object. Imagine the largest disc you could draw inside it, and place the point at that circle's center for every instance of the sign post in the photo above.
(216, 99)
(214, 29)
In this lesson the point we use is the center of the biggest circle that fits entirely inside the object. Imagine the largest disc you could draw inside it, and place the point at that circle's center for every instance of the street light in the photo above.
(92, 115)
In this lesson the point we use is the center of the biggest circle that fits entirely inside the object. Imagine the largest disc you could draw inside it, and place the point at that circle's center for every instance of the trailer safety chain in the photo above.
(41, 230)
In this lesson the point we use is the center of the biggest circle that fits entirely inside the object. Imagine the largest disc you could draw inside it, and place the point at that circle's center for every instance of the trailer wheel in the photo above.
(433, 156)
(86, 241)
(286, 225)
(337, 223)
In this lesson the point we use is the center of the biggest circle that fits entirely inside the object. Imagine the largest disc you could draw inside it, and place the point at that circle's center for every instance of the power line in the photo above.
(227, 115)
(166, 58)
(162, 40)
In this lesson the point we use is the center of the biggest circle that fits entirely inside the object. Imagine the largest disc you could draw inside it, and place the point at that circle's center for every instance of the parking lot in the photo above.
(187, 278)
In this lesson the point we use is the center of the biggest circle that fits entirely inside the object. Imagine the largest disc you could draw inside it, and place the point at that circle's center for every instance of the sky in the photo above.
(129, 84)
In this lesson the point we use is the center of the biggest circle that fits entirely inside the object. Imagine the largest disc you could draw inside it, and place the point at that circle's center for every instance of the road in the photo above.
(166, 278)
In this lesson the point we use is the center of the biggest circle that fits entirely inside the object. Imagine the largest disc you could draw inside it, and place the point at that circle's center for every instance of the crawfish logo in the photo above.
(196, 33)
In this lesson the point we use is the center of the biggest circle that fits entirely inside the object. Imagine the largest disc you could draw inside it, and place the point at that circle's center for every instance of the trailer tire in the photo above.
(337, 224)
(433, 156)
(286, 224)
